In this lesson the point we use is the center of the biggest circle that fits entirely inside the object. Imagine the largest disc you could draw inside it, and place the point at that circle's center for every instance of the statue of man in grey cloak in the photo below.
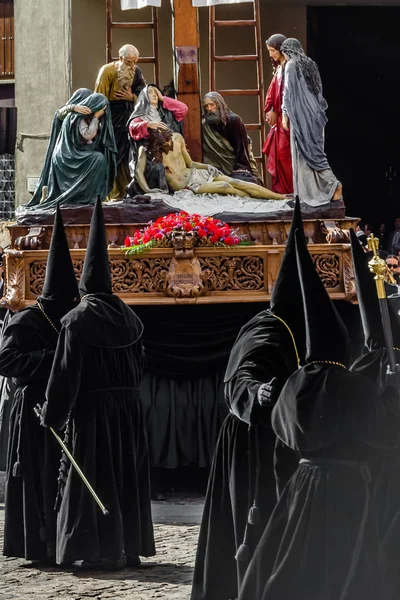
(94, 383)
(303, 109)
(82, 164)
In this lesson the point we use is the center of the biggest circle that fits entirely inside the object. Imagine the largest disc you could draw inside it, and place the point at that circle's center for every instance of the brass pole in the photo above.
(379, 267)
(103, 509)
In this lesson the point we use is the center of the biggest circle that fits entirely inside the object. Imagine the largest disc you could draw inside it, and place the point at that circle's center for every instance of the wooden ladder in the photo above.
(258, 90)
(153, 25)
(6, 40)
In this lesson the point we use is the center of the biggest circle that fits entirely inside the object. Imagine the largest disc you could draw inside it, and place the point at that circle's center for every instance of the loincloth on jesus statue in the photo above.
(199, 177)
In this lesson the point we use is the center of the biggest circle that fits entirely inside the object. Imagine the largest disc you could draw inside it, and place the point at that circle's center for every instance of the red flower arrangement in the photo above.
(208, 231)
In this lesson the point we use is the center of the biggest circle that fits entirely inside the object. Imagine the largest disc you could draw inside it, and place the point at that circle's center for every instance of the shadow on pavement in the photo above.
(173, 573)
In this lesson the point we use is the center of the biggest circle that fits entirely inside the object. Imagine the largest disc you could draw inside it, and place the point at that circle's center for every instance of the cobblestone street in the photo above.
(167, 575)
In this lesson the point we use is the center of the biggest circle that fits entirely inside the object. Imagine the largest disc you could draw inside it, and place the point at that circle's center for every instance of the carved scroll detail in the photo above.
(328, 267)
(37, 272)
(15, 287)
(348, 278)
(234, 273)
(78, 266)
(133, 276)
(139, 275)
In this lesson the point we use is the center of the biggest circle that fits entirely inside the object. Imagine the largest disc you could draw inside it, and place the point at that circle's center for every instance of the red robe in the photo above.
(277, 144)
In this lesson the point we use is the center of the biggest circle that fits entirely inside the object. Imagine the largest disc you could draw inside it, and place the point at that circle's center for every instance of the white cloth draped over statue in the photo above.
(131, 4)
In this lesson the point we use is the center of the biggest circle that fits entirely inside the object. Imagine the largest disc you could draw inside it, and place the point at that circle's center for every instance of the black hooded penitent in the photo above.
(102, 318)
(60, 292)
(303, 416)
(286, 305)
(326, 336)
(286, 300)
(96, 275)
(334, 418)
(94, 383)
(372, 364)
(26, 354)
(244, 457)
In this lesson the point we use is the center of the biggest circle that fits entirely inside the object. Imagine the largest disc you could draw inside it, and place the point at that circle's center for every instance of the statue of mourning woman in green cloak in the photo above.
(80, 162)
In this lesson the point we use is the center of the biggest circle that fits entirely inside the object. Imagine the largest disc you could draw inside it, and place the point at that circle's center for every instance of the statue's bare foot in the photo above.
(339, 193)
(45, 189)
(276, 196)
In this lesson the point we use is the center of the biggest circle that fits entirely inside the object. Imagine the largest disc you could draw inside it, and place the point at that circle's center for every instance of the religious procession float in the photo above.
(196, 228)
(182, 257)
(212, 244)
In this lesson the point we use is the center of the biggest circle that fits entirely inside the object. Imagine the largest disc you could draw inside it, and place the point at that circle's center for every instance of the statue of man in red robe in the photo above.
(277, 144)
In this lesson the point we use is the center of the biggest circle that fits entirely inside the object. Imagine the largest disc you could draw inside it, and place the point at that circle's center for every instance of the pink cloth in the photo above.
(138, 128)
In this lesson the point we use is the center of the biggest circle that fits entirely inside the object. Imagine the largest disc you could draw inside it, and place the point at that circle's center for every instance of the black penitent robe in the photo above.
(373, 364)
(321, 540)
(96, 374)
(26, 355)
(7, 388)
(242, 470)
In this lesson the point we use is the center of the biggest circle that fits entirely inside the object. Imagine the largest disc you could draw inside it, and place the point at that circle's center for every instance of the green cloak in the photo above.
(79, 172)
(76, 98)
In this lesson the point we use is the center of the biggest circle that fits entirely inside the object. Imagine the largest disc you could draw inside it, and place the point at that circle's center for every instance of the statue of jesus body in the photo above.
(182, 172)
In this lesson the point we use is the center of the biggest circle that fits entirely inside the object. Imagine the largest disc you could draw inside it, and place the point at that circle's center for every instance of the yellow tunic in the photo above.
(107, 84)
(107, 81)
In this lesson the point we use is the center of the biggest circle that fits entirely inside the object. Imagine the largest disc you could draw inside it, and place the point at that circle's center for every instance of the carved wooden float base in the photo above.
(186, 275)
